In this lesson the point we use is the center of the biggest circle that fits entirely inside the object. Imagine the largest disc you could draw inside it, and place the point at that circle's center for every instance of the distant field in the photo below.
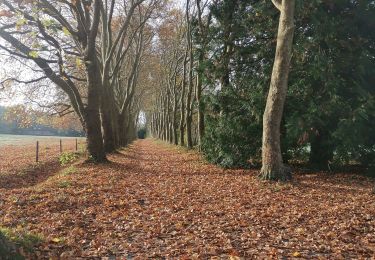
(6, 140)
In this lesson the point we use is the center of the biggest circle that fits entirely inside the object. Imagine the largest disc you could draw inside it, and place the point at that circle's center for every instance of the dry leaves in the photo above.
(154, 200)
(18, 167)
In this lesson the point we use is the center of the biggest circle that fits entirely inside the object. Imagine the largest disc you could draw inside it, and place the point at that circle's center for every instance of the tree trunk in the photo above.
(190, 78)
(182, 106)
(107, 114)
(272, 163)
(321, 152)
(189, 100)
(122, 128)
(188, 131)
(199, 101)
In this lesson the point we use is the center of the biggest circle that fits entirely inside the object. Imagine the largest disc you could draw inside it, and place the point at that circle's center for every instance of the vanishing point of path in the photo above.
(155, 200)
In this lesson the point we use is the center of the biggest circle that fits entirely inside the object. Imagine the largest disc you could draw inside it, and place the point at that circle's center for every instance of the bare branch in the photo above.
(277, 4)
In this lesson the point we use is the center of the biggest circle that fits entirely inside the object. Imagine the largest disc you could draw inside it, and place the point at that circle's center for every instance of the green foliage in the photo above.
(330, 89)
(64, 184)
(68, 157)
(69, 171)
(329, 112)
(7, 250)
(231, 141)
(34, 54)
(142, 133)
(234, 125)
(10, 239)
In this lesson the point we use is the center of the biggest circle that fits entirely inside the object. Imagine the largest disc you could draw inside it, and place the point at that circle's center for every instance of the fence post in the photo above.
(37, 152)
(76, 145)
(60, 146)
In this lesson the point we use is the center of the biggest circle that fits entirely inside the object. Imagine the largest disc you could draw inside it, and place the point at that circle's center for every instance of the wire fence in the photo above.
(61, 148)
(19, 155)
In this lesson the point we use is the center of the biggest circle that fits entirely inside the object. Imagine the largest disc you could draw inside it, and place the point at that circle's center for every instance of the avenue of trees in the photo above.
(247, 82)
(93, 52)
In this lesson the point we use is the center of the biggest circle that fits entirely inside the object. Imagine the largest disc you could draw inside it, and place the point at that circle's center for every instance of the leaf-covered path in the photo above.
(155, 200)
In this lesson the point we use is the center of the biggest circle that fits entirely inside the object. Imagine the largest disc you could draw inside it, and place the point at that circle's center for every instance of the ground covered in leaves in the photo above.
(19, 159)
(154, 200)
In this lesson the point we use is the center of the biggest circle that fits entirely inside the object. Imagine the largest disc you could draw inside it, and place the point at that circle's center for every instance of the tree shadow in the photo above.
(8, 250)
(18, 244)
(29, 176)
(338, 184)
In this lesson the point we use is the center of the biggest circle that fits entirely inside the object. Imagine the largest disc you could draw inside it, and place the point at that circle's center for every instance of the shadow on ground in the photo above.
(8, 250)
(29, 177)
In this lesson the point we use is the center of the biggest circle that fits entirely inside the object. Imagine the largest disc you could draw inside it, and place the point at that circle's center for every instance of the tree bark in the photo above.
(95, 145)
(182, 105)
(85, 40)
(107, 114)
(272, 163)
(189, 100)
(199, 101)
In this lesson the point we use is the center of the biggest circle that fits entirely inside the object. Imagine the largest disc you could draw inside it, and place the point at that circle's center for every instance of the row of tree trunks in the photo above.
(172, 118)
(100, 53)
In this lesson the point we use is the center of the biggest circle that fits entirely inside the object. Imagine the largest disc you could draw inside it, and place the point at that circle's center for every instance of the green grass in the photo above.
(64, 184)
(11, 239)
(68, 171)
(68, 157)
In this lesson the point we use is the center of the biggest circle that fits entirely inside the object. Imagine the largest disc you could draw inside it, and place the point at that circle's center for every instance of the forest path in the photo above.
(156, 200)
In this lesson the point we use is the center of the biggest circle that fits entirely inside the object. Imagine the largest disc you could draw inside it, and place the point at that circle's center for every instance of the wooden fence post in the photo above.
(37, 152)
(60, 146)
(76, 145)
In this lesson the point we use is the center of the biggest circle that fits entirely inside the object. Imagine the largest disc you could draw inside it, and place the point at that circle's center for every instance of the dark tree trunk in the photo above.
(189, 131)
(107, 111)
(122, 129)
(108, 131)
(199, 100)
(175, 134)
(321, 152)
(95, 145)
(182, 105)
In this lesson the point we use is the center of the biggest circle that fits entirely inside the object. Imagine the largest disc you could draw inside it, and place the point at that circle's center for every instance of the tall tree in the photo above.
(58, 35)
(272, 162)
(190, 78)
(202, 41)
(123, 27)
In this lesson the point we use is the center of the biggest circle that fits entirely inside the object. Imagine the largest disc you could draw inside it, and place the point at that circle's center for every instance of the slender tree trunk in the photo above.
(164, 120)
(272, 163)
(189, 114)
(182, 106)
(199, 101)
(152, 125)
(160, 118)
(158, 128)
(189, 130)
(169, 119)
(189, 42)
(175, 126)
